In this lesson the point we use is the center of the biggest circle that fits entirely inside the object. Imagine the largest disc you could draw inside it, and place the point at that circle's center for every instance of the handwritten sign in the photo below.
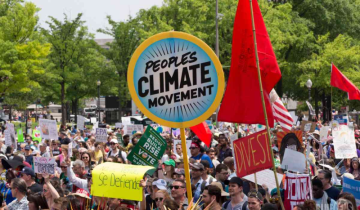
(293, 161)
(121, 181)
(149, 149)
(344, 142)
(36, 135)
(44, 165)
(178, 86)
(8, 139)
(101, 134)
(252, 154)
(80, 122)
(297, 189)
(48, 129)
(308, 126)
(324, 133)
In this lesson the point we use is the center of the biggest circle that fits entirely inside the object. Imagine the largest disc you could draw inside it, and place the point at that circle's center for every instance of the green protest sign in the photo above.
(149, 150)
(120, 139)
(20, 135)
(36, 136)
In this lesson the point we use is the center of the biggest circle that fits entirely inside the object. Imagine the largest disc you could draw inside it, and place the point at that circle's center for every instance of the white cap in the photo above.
(114, 141)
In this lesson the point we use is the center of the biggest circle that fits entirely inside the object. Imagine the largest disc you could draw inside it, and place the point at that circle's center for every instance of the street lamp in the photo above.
(98, 86)
(308, 85)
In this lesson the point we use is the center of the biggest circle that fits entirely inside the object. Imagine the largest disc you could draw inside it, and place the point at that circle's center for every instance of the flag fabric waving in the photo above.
(343, 83)
(281, 114)
(242, 99)
(203, 131)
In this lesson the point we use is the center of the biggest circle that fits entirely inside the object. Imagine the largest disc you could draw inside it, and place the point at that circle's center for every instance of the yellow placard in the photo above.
(176, 79)
(33, 119)
(114, 180)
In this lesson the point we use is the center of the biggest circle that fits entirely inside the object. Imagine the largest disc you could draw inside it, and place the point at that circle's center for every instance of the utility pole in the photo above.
(217, 47)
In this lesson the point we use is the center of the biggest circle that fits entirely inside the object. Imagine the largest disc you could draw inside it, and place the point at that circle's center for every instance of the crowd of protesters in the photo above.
(214, 182)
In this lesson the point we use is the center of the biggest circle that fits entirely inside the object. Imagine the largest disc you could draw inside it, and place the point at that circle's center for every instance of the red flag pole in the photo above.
(263, 105)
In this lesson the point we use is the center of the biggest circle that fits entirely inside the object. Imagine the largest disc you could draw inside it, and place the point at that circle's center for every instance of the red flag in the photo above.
(242, 99)
(203, 131)
(343, 83)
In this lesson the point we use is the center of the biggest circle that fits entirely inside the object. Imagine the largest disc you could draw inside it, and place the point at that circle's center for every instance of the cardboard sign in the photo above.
(297, 189)
(252, 154)
(149, 149)
(175, 79)
(132, 129)
(293, 161)
(48, 129)
(324, 133)
(80, 122)
(353, 187)
(101, 135)
(44, 165)
(344, 142)
(308, 126)
(264, 177)
(113, 180)
(20, 135)
(8, 138)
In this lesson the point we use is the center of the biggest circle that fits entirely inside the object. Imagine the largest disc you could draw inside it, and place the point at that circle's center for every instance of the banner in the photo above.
(132, 129)
(293, 161)
(324, 133)
(252, 154)
(48, 129)
(120, 139)
(101, 135)
(344, 142)
(8, 139)
(121, 181)
(149, 149)
(80, 122)
(44, 165)
(175, 79)
(36, 135)
(20, 135)
(353, 187)
(297, 189)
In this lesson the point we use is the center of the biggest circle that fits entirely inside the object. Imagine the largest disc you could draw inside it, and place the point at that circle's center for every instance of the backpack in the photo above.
(243, 207)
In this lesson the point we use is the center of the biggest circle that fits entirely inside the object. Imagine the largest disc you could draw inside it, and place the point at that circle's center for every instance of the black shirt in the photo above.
(333, 193)
(35, 188)
(149, 201)
(65, 141)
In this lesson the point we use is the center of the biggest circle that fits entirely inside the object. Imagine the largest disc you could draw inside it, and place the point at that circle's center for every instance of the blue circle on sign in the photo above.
(175, 79)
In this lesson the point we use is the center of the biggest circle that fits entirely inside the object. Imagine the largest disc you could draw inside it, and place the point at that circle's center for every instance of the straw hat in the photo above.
(219, 185)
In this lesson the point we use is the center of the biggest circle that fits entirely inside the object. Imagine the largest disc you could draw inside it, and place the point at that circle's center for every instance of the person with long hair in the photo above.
(5, 188)
(346, 201)
(354, 168)
(37, 201)
(160, 197)
(86, 158)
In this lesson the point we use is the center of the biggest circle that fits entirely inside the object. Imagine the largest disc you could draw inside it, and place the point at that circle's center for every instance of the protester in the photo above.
(197, 170)
(323, 201)
(178, 190)
(255, 200)
(18, 190)
(28, 175)
(212, 197)
(196, 153)
(346, 201)
(160, 197)
(325, 177)
(222, 174)
(238, 199)
(224, 149)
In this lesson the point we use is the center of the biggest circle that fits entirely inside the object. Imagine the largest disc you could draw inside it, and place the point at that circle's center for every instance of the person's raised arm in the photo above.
(51, 188)
(143, 202)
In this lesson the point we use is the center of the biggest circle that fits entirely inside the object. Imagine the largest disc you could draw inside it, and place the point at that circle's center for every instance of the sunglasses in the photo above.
(112, 143)
(175, 187)
(274, 200)
(193, 147)
(159, 199)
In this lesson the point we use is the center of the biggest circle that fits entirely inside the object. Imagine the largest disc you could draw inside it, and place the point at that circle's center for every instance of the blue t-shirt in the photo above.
(204, 157)
(7, 193)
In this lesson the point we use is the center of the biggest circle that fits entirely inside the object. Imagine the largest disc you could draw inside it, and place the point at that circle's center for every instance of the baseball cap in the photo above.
(28, 171)
(27, 147)
(198, 166)
(114, 141)
(236, 180)
(160, 184)
(170, 162)
(194, 144)
(179, 171)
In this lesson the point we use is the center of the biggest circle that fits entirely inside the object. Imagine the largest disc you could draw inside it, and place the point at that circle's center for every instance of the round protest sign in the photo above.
(175, 79)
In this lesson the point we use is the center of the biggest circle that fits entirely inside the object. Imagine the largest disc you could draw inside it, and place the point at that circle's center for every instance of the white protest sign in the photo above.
(96, 125)
(118, 125)
(80, 122)
(70, 146)
(48, 129)
(307, 127)
(7, 134)
(126, 120)
(293, 161)
(178, 142)
(233, 137)
(264, 177)
(132, 129)
(101, 134)
(324, 133)
(344, 142)
(93, 120)
(44, 165)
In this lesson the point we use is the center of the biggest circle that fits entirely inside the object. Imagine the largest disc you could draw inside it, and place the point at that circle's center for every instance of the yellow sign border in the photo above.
(203, 46)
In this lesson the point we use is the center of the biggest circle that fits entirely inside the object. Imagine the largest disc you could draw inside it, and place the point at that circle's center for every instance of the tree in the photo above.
(65, 38)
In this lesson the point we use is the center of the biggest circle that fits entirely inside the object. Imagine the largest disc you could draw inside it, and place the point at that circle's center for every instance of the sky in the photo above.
(94, 11)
